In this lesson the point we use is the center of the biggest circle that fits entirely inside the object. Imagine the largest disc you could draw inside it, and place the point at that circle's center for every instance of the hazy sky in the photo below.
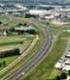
(59, 1)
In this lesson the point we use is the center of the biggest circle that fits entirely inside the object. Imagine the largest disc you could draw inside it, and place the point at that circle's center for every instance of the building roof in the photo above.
(25, 28)
(67, 67)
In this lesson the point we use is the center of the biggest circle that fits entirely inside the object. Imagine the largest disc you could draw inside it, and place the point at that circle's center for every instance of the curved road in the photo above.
(36, 59)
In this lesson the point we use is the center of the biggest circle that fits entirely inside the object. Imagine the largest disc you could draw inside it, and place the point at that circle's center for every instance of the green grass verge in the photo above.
(8, 60)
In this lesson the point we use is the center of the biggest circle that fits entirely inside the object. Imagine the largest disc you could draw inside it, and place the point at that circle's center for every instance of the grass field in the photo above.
(11, 42)
(8, 60)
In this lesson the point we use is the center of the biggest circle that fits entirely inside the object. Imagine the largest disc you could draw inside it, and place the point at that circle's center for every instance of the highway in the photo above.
(36, 59)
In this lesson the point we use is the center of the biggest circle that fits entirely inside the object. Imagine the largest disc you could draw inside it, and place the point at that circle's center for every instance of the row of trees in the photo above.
(29, 15)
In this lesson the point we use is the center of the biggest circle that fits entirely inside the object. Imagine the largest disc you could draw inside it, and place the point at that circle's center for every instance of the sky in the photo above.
(58, 1)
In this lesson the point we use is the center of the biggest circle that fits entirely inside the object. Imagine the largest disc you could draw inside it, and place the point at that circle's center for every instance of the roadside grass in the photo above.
(66, 34)
(54, 74)
(8, 60)
(45, 69)
(4, 39)
(11, 42)
(25, 42)
(14, 42)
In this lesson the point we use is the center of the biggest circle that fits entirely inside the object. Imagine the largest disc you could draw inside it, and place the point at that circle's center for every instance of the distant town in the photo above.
(55, 13)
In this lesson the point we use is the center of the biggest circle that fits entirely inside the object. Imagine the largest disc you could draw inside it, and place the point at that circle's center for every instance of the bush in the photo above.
(0, 22)
(69, 72)
(4, 63)
(29, 16)
(63, 76)
(31, 31)
(9, 53)
(0, 64)
(57, 78)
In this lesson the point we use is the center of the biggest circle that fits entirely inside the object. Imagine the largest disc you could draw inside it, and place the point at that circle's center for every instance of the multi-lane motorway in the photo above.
(27, 67)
